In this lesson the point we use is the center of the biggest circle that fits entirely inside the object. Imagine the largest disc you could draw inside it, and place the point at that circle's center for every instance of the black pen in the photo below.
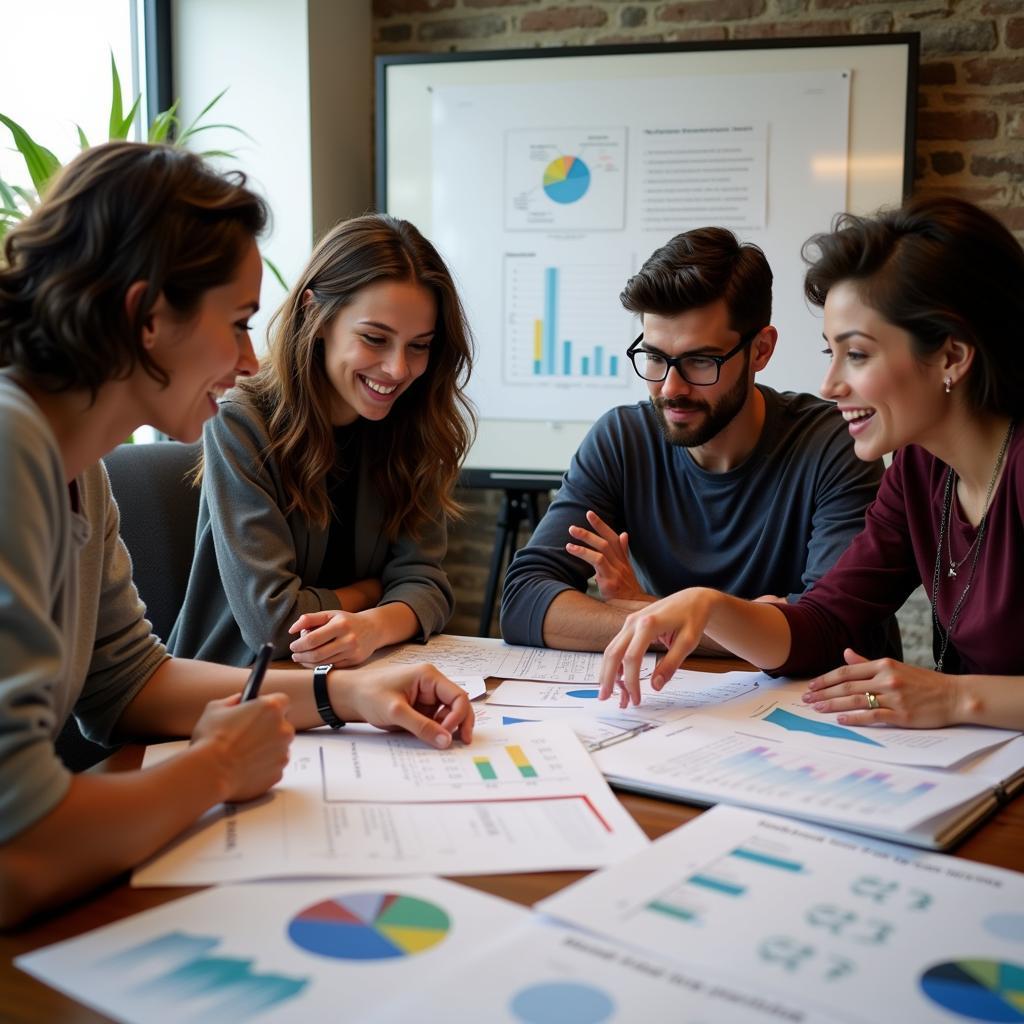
(259, 670)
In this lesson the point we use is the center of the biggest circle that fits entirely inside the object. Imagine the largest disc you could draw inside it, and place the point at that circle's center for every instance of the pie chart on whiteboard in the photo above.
(566, 179)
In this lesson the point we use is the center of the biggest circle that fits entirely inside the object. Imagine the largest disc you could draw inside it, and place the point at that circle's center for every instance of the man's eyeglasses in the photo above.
(701, 370)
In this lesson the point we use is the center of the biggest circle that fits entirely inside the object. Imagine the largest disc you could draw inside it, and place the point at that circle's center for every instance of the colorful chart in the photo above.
(797, 723)
(977, 989)
(562, 1002)
(369, 926)
(582, 694)
(566, 179)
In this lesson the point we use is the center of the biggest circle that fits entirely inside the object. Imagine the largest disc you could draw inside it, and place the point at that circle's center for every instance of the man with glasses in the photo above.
(715, 481)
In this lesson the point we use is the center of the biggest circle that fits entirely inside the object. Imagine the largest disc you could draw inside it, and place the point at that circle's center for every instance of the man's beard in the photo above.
(716, 417)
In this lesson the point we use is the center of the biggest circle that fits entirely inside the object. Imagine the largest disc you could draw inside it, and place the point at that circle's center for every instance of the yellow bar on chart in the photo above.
(538, 339)
(522, 762)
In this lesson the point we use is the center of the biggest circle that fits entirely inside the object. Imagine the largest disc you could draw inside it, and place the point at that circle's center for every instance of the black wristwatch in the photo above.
(323, 702)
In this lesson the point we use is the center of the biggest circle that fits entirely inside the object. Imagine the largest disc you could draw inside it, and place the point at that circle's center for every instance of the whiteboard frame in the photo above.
(879, 62)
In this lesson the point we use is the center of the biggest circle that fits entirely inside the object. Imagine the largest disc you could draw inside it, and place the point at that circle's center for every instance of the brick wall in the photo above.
(970, 120)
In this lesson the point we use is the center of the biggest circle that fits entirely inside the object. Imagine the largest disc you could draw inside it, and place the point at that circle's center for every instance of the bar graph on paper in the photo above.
(564, 324)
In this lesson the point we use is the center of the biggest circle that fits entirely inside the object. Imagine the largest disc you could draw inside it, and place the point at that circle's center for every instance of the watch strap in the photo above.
(322, 700)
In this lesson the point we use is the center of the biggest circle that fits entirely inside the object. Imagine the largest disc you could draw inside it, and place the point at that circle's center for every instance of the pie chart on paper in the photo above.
(566, 179)
(369, 926)
(987, 990)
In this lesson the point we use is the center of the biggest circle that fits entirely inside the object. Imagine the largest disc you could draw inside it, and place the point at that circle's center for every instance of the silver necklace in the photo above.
(947, 506)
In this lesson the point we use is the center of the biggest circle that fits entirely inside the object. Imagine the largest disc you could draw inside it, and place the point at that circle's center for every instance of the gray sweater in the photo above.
(255, 569)
(772, 525)
(73, 636)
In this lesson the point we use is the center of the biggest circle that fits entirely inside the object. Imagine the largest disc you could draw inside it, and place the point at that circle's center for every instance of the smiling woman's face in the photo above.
(376, 346)
(888, 396)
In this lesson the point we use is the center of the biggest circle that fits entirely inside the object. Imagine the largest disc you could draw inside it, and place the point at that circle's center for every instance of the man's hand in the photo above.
(608, 553)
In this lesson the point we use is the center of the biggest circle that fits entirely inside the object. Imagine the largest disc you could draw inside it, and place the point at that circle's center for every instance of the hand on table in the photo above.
(608, 553)
(903, 695)
(416, 698)
(251, 740)
(333, 637)
(677, 622)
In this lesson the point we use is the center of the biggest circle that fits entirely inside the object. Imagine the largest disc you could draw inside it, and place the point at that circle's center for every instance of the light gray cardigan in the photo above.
(255, 569)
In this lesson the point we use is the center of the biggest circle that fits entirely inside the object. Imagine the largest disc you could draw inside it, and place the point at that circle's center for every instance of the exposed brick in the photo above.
(623, 38)
(995, 70)
(938, 11)
(698, 34)
(394, 33)
(1001, 7)
(1015, 125)
(554, 19)
(957, 124)
(781, 29)
(920, 167)
(936, 74)
(1015, 32)
(711, 10)
(498, 3)
(462, 28)
(992, 98)
(791, 6)
(1013, 218)
(948, 162)
(632, 17)
(996, 195)
(842, 5)
(954, 37)
(879, 23)
(989, 166)
(386, 8)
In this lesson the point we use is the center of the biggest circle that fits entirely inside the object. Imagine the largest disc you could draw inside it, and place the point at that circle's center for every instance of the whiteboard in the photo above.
(546, 178)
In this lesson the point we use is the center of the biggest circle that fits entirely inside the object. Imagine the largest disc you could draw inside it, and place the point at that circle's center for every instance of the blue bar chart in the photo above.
(564, 324)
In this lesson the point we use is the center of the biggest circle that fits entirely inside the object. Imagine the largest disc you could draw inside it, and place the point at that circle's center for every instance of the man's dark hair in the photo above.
(698, 268)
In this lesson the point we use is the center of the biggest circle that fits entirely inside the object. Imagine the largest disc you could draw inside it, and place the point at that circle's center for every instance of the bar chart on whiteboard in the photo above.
(564, 324)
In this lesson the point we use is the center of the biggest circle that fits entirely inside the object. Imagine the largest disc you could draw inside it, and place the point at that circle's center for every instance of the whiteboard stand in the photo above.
(518, 504)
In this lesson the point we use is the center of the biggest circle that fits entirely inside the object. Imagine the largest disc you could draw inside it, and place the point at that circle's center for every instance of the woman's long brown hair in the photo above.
(416, 452)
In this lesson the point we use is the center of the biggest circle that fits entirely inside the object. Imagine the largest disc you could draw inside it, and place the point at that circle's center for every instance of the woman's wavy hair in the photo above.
(416, 451)
(117, 214)
(937, 267)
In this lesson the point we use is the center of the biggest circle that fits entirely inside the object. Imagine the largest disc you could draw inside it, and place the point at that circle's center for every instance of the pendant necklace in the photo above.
(973, 552)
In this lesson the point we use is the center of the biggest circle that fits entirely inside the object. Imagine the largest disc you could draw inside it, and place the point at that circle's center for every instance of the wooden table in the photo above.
(1000, 841)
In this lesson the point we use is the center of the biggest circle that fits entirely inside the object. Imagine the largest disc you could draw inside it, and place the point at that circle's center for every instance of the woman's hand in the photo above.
(885, 692)
(250, 740)
(416, 698)
(677, 622)
(608, 553)
(333, 638)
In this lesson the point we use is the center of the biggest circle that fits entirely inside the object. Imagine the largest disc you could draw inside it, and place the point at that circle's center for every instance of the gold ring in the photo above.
(872, 701)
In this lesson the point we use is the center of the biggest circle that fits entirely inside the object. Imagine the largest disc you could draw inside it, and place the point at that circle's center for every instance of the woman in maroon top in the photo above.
(924, 311)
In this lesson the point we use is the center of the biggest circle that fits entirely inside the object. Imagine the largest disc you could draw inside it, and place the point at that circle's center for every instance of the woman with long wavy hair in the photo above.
(328, 477)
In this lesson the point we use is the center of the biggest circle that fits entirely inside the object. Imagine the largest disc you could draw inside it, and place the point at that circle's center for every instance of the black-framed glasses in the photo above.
(701, 370)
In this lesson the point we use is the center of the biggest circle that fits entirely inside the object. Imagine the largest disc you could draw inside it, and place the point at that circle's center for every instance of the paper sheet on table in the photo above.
(544, 972)
(275, 952)
(779, 713)
(469, 655)
(683, 693)
(871, 931)
(373, 803)
(594, 731)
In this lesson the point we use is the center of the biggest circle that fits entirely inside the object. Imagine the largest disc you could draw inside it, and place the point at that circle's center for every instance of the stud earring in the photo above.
(948, 384)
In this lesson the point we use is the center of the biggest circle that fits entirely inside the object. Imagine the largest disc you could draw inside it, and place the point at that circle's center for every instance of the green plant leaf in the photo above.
(125, 127)
(39, 161)
(11, 213)
(83, 142)
(277, 273)
(27, 195)
(163, 123)
(228, 154)
(116, 103)
(191, 129)
(7, 195)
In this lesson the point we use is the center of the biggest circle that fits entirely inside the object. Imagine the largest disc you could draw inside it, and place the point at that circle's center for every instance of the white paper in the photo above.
(684, 692)
(780, 714)
(383, 803)
(543, 972)
(592, 730)
(295, 951)
(468, 655)
(702, 759)
(870, 931)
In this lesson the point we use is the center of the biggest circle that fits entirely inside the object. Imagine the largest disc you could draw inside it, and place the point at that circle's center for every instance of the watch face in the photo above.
(323, 668)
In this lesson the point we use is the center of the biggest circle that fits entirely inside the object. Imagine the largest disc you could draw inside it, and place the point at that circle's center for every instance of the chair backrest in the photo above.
(159, 509)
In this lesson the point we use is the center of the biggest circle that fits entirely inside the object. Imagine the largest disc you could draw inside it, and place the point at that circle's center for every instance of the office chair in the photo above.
(159, 509)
